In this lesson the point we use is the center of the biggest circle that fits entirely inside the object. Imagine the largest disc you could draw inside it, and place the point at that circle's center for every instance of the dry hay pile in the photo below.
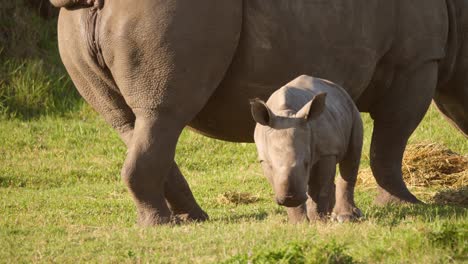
(428, 165)
(434, 165)
(236, 198)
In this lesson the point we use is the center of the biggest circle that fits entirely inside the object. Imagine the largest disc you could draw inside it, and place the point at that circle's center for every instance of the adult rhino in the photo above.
(152, 67)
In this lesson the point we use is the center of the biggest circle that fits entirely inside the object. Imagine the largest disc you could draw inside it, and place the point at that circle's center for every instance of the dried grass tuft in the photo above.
(236, 198)
(434, 165)
(428, 164)
(366, 179)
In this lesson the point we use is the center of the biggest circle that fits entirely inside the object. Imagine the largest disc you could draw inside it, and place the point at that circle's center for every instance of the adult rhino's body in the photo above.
(153, 67)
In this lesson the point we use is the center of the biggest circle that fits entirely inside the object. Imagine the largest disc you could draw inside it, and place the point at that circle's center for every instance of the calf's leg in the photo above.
(297, 214)
(345, 208)
(321, 188)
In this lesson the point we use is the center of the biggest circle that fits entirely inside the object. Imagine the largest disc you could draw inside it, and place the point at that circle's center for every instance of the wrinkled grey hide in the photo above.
(152, 67)
(302, 132)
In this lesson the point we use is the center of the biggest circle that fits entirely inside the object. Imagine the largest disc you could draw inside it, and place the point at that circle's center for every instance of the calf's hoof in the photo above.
(317, 217)
(349, 216)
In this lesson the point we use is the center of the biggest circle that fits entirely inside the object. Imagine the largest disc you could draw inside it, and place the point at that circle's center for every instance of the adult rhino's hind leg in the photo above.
(97, 86)
(180, 198)
(94, 82)
(395, 119)
(147, 164)
(167, 68)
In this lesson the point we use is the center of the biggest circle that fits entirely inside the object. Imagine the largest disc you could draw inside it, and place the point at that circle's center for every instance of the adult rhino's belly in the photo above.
(227, 116)
(272, 54)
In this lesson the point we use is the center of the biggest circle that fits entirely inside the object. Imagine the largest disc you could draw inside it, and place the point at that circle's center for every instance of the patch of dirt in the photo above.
(458, 196)
(236, 198)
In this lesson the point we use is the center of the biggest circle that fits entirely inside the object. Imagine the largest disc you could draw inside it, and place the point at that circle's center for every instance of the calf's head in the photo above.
(285, 145)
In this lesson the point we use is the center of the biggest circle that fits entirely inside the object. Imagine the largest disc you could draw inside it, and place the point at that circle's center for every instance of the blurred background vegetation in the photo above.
(33, 81)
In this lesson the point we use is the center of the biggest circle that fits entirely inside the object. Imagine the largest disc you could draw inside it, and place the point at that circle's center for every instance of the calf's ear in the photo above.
(314, 108)
(260, 112)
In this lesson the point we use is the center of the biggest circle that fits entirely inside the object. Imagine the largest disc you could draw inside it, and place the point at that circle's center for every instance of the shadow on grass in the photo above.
(245, 217)
(444, 207)
(393, 215)
(237, 217)
(8, 182)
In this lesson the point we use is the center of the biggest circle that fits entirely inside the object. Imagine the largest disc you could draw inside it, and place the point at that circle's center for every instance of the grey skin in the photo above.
(303, 130)
(152, 67)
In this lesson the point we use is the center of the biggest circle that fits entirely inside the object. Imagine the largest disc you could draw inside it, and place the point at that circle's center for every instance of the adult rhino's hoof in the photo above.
(344, 217)
(153, 220)
(385, 198)
(197, 215)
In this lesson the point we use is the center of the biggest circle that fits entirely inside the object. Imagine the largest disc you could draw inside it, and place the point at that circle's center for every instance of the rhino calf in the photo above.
(300, 137)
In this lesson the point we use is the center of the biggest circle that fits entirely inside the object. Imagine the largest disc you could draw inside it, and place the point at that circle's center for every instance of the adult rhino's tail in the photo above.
(90, 25)
(77, 3)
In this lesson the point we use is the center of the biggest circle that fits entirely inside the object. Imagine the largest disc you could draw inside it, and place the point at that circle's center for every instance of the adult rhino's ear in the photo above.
(314, 108)
(260, 112)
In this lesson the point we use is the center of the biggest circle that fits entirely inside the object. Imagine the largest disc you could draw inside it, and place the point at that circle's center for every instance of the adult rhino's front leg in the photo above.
(395, 119)
(167, 66)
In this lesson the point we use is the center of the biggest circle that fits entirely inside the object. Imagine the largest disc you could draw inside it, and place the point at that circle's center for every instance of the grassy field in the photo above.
(61, 200)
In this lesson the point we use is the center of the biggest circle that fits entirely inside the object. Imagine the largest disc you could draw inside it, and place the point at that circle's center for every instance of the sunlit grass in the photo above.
(61, 200)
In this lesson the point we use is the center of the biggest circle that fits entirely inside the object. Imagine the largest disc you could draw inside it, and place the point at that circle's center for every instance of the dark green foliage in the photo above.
(28, 90)
(33, 81)
(24, 34)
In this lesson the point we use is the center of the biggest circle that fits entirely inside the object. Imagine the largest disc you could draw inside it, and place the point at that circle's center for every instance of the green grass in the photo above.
(61, 200)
